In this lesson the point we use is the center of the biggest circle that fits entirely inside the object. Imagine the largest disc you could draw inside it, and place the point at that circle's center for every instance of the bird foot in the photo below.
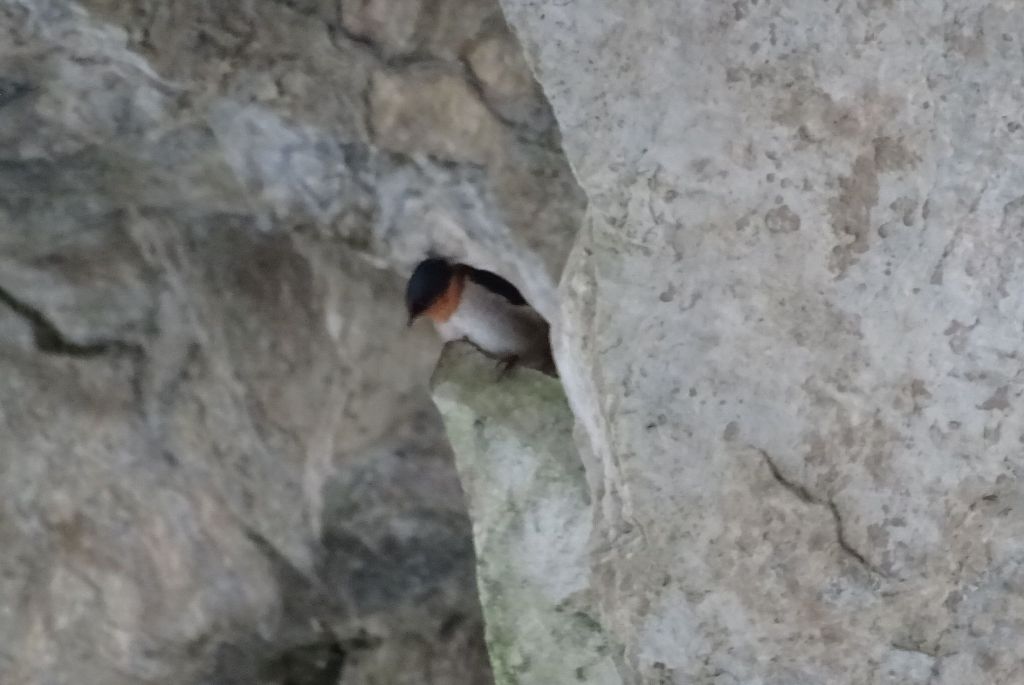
(506, 365)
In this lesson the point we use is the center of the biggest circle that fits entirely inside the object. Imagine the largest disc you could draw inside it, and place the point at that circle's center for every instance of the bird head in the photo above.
(428, 284)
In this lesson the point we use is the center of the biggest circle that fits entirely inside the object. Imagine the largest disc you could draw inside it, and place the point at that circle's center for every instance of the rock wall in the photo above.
(788, 330)
(219, 462)
(791, 332)
(530, 506)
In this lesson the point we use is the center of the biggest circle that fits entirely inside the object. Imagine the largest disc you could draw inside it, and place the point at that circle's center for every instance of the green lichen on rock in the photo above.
(529, 503)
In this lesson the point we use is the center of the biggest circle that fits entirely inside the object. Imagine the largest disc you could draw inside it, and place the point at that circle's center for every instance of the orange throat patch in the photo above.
(445, 306)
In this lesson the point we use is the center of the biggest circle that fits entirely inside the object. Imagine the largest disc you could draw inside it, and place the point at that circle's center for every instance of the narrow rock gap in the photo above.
(799, 490)
(845, 545)
(50, 340)
(805, 495)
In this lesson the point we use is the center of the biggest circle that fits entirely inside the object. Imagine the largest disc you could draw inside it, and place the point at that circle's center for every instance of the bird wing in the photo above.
(495, 283)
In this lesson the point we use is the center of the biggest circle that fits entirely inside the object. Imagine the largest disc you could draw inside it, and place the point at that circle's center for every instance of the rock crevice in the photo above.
(757, 267)
(805, 495)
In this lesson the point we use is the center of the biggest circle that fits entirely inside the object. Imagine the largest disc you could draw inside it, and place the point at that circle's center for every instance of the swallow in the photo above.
(466, 303)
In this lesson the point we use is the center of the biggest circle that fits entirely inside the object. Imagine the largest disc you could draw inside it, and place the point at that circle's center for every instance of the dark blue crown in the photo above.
(428, 283)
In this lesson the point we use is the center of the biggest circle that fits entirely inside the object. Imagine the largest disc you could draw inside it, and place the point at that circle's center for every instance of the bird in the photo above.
(466, 303)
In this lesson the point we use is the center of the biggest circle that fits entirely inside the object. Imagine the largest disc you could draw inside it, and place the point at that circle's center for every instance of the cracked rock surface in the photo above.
(219, 461)
(791, 331)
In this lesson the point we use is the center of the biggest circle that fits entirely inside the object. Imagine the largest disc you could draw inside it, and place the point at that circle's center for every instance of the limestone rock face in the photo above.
(219, 461)
(791, 331)
(530, 506)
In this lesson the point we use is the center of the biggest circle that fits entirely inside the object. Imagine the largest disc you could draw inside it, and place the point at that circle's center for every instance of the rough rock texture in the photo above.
(530, 506)
(219, 462)
(792, 332)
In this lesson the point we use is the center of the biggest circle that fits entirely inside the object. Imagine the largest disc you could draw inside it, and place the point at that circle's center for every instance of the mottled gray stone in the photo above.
(791, 332)
(528, 499)
(219, 461)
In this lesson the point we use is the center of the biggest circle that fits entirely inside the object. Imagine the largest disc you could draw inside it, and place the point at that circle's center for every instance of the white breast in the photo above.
(495, 325)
